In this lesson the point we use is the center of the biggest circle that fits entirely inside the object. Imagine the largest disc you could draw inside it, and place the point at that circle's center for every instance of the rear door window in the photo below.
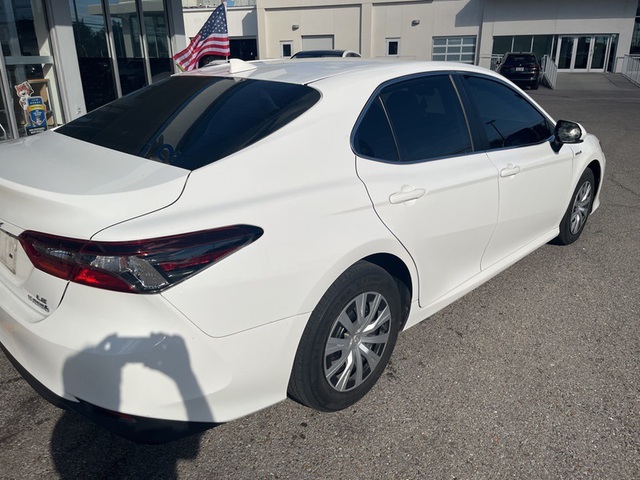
(414, 120)
(192, 121)
(427, 118)
(374, 138)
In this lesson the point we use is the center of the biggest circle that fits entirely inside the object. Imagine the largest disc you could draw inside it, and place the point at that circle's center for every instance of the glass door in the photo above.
(5, 127)
(122, 46)
(584, 53)
(581, 55)
(565, 53)
(600, 52)
(94, 53)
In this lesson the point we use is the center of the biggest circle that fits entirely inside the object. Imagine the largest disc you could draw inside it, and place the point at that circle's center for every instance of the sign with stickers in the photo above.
(34, 108)
(36, 116)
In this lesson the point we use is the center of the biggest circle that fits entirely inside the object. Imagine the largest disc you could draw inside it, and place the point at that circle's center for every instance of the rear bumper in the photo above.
(136, 365)
(523, 77)
(135, 428)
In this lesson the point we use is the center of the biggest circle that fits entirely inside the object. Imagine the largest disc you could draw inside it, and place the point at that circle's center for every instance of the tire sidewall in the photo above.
(566, 237)
(362, 278)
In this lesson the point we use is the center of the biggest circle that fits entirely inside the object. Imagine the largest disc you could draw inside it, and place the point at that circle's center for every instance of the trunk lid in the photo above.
(58, 185)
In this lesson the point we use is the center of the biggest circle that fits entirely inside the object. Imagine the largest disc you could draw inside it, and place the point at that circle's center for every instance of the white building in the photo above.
(580, 35)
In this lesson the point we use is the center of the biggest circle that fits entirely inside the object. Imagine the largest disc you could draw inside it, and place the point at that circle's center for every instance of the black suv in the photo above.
(521, 68)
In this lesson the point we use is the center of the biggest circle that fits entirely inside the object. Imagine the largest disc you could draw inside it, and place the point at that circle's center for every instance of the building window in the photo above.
(109, 42)
(286, 49)
(29, 100)
(393, 47)
(454, 49)
(635, 39)
(243, 48)
(541, 45)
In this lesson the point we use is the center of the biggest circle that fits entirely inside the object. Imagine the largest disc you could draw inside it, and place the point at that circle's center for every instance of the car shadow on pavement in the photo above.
(82, 449)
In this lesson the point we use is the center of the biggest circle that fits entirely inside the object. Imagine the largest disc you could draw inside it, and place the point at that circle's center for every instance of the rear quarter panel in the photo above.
(300, 186)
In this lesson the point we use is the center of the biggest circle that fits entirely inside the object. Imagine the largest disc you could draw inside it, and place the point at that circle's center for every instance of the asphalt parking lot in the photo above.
(534, 375)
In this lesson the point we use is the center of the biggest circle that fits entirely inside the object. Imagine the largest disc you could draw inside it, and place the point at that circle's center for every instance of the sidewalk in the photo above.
(594, 81)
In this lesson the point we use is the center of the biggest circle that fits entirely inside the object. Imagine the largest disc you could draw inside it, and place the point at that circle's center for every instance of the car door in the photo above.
(439, 198)
(533, 179)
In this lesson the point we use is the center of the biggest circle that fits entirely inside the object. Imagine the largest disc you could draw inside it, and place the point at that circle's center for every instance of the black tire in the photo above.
(578, 211)
(313, 381)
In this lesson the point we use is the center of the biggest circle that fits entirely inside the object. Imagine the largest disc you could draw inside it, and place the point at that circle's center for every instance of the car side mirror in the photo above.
(566, 132)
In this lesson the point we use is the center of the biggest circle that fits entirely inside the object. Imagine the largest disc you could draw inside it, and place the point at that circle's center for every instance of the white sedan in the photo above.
(211, 244)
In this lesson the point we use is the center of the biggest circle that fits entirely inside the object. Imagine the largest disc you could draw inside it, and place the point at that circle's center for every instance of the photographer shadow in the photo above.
(80, 449)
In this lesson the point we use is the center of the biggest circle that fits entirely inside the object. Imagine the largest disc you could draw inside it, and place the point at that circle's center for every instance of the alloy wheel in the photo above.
(357, 341)
(581, 206)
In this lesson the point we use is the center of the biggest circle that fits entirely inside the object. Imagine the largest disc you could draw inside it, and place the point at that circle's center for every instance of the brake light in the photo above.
(139, 266)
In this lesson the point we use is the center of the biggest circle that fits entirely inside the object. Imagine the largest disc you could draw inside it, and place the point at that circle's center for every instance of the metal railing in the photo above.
(549, 71)
(494, 61)
(631, 68)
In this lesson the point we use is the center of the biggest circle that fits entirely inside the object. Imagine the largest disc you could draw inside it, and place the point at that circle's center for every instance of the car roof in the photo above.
(315, 70)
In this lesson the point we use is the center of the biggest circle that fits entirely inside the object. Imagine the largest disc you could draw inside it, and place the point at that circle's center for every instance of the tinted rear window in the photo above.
(192, 121)
(518, 59)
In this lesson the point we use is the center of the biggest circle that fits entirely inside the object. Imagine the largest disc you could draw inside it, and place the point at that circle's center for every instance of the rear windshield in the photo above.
(192, 121)
(526, 58)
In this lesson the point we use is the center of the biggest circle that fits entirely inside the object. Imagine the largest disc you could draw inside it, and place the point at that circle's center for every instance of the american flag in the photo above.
(212, 39)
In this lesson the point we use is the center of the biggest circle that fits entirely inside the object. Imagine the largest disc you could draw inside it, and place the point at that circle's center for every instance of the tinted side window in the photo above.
(191, 121)
(373, 137)
(508, 119)
(426, 117)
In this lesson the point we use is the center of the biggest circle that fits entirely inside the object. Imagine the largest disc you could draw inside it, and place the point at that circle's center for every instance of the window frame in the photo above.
(388, 42)
(286, 43)
(461, 46)
(478, 137)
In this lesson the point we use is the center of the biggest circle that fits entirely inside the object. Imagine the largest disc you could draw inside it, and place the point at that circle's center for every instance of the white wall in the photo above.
(341, 21)
(241, 21)
(363, 26)
(436, 18)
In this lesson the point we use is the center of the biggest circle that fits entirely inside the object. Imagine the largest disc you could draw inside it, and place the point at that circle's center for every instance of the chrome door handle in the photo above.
(510, 170)
(406, 194)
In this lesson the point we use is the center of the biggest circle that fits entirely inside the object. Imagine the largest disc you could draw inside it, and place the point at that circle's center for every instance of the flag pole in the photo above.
(226, 57)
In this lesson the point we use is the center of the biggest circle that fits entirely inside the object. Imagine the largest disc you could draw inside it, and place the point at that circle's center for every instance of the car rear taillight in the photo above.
(139, 266)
